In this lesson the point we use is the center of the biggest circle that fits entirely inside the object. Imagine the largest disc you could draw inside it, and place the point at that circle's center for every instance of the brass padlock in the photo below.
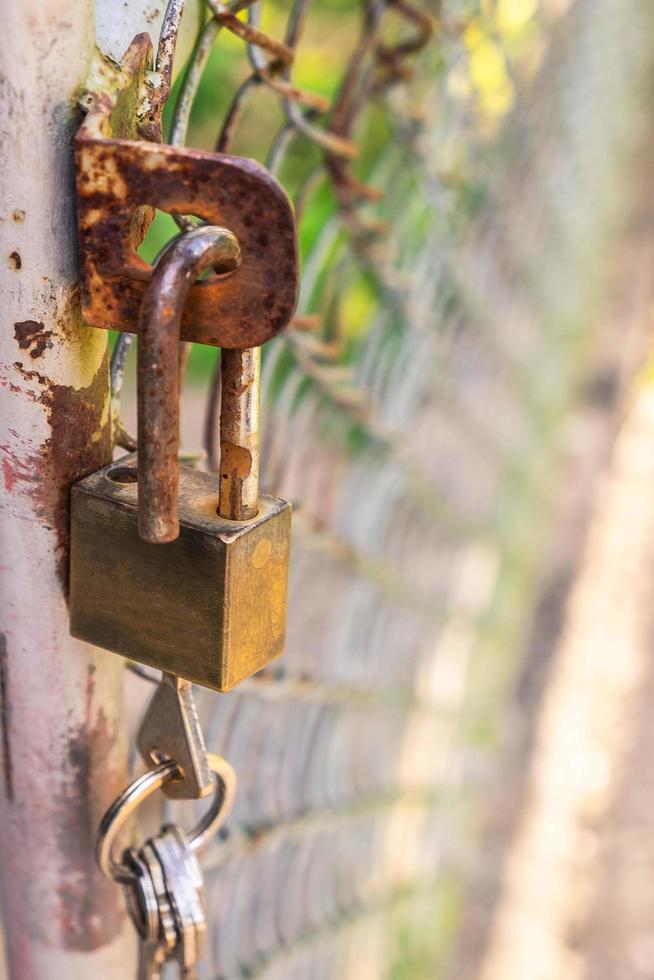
(209, 604)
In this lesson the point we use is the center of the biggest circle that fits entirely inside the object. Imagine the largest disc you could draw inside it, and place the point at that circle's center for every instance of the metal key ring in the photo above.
(131, 798)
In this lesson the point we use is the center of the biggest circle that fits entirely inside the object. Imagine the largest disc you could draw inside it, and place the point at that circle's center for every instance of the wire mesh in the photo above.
(411, 414)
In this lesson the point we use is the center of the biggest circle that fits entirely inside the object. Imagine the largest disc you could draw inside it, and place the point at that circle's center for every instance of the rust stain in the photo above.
(5, 720)
(236, 461)
(18, 469)
(32, 336)
(8, 475)
(235, 467)
(30, 375)
(90, 915)
(72, 451)
(89, 912)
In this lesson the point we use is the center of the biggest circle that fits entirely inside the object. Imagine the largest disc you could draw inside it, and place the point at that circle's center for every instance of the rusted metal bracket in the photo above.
(121, 179)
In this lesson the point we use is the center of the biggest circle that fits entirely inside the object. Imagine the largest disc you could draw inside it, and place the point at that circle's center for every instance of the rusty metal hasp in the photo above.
(121, 179)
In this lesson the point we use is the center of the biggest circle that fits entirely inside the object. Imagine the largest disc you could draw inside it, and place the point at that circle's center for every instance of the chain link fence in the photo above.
(452, 275)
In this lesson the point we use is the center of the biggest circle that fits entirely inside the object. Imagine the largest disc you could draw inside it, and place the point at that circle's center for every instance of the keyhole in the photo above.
(122, 474)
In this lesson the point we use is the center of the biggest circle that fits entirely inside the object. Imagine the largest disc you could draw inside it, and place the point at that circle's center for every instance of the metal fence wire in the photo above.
(458, 197)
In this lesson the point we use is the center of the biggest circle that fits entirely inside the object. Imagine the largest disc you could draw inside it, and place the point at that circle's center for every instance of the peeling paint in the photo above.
(33, 337)
(100, 432)
(66, 349)
(80, 443)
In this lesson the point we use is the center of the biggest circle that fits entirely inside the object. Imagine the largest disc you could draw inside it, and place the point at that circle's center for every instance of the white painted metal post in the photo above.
(62, 748)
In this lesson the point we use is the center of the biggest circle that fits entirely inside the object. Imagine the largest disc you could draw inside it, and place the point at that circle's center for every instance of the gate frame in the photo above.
(63, 745)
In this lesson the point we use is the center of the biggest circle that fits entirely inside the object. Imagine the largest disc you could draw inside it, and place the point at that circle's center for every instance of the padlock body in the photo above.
(210, 606)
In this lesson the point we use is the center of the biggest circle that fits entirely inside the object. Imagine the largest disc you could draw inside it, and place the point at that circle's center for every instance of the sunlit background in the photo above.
(426, 774)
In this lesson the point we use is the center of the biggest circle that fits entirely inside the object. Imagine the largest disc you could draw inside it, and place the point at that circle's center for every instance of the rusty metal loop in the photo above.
(250, 32)
(125, 805)
(160, 320)
(292, 99)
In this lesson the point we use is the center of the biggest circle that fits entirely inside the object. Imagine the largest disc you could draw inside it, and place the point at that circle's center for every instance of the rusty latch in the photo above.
(121, 179)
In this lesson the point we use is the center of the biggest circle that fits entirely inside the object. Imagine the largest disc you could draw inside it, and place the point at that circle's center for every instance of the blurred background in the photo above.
(448, 773)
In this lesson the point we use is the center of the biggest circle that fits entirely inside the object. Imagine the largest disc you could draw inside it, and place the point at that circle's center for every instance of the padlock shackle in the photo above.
(240, 372)
(186, 258)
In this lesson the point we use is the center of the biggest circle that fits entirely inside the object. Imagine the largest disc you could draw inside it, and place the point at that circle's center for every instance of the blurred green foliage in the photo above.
(496, 31)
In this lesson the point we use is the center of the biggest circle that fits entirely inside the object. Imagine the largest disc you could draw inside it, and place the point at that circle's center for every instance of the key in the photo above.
(162, 880)
(149, 910)
(167, 933)
(152, 958)
(141, 898)
(185, 888)
(171, 729)
(166, 904)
